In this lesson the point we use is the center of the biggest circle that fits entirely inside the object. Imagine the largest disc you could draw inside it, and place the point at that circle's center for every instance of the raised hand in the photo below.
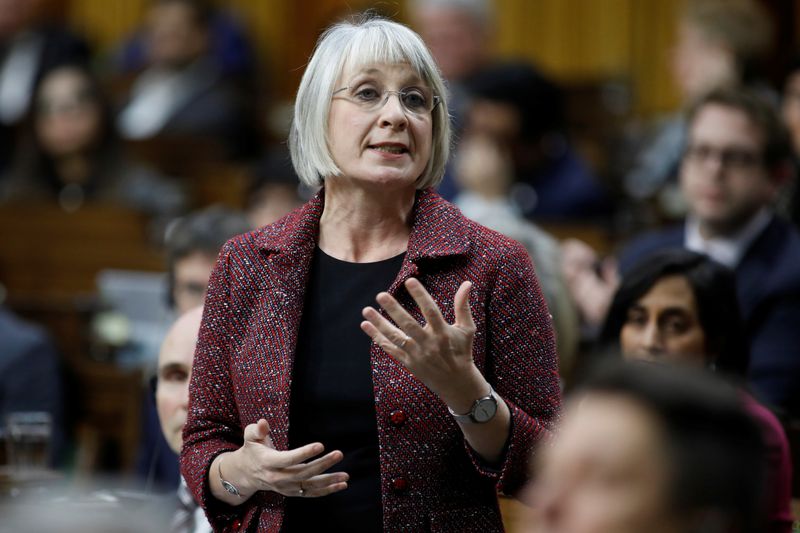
(257, 465)
(437, 353)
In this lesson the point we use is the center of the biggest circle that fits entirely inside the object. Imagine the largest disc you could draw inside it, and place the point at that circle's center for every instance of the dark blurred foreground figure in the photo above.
(680, 307)
(651, 449)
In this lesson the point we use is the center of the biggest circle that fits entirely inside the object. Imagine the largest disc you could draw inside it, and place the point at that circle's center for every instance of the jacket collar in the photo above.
(438, 229)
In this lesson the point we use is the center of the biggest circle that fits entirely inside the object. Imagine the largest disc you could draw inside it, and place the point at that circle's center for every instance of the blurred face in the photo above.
(605, 472)
(378, 142)
(723, 175)
(700, 64)
(791, 109)
(456, 40)
(271, 203)
(174, 371)
(191, 280)
(664, 325)
(175, 37)
(68, 116)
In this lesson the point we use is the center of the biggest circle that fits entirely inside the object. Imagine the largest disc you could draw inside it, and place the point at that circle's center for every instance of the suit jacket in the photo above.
(768, 287)
(430, 479)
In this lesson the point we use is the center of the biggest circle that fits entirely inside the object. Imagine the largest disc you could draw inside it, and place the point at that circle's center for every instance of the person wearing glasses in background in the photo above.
(311, 407)
(733, 168)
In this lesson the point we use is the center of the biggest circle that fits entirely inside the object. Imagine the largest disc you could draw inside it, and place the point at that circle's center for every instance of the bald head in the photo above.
(174, 368)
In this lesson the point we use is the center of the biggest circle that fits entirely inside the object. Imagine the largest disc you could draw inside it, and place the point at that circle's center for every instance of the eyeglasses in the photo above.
(732, 158)
(415, 101)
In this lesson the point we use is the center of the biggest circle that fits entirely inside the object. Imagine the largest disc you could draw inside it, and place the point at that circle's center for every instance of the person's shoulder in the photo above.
(19, 337)
(777, 249)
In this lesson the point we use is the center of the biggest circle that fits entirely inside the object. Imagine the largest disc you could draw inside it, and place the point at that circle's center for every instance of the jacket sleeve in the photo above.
(521, 365)
(212, 426)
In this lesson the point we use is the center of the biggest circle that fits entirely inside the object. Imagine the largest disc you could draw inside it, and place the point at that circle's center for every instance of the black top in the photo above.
(332, 393)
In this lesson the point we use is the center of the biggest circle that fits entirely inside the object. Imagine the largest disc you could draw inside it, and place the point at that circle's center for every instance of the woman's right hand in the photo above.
(257, 465)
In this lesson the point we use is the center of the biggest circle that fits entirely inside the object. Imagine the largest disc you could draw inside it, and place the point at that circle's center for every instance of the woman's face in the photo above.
(606, 472)
(68, 118)
(664, 325)
(380, 143)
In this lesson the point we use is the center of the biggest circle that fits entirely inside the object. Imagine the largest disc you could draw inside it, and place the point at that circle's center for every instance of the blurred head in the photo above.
(457, 31)
(736, 159)
(273, 190)
(643, 449)
(172, 381)
(192, 245)
(790, 108)
(719, 44)
(679, 307)
(331, 131)
(69, 116)
(177, 31)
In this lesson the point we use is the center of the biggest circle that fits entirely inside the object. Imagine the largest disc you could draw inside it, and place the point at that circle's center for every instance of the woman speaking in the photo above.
(374, 361)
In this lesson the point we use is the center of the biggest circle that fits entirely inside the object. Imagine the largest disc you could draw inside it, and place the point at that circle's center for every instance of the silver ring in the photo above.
(403, 343)
(302, 492)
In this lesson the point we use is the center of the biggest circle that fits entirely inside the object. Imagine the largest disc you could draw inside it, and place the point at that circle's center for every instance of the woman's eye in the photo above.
(676, 325)
(367, 94)
(636, 317)
(414, 100)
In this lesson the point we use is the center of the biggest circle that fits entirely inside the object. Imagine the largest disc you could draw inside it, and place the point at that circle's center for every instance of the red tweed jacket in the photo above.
(430, 479)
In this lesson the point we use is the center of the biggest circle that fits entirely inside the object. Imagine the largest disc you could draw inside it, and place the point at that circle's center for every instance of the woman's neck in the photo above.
(363, 226)
(73, 169)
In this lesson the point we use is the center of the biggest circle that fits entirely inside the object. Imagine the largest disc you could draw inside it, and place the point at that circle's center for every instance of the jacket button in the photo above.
(398, 417)
(400, 484)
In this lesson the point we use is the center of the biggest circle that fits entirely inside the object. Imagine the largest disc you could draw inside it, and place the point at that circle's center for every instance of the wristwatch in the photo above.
(482, 410)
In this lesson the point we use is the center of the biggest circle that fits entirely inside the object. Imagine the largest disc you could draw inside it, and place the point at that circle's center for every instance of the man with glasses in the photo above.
(733, 167)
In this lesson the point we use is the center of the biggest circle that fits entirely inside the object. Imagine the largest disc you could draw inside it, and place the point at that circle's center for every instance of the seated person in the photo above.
(485, 174)
(172, 402)
(74, 157)
(680, 307)
(30, 376)
(644, 449)
(182, 91)
(523, 111)
(736, 160)
(192, 244)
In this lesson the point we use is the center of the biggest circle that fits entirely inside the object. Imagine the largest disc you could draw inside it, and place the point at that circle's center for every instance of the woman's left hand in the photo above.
(438, 354)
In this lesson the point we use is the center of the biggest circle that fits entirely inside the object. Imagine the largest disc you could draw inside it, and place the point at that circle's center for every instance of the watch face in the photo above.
(484, 410)
(230, 488)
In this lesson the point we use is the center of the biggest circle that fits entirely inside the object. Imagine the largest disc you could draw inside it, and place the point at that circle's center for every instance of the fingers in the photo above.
(324, 484)
(433, 316)
(317, 466)
(258, 432)
(298, 455)
(387, 345)
(404, 321)
(461, 306)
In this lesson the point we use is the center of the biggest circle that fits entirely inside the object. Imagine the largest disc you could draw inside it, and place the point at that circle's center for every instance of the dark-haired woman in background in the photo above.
(73, 155)
(680, 307)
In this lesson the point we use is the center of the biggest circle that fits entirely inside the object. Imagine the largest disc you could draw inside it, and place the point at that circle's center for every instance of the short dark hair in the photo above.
(202, 231)
(714, 289)
(777, 147)
(716, 452)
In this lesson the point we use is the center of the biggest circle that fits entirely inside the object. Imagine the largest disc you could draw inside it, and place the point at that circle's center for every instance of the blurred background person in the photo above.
(274, 189)
(790, 113)
(719, 43)
(172, 401)
(192, 245)
(650, 449)
(485, 175)
(30, 46)
(182, 92)
(31, 377)
(680, 307)
(523, 111)
(73, 155)
(735, 162)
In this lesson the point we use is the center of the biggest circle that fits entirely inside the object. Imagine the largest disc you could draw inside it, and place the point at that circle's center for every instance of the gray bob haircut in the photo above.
(366, 41)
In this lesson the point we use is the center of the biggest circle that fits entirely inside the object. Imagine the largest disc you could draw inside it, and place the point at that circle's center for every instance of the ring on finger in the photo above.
(302, 491)
(402, 343)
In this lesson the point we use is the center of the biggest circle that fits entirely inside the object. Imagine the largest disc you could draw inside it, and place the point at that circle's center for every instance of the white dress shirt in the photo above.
(727, 250)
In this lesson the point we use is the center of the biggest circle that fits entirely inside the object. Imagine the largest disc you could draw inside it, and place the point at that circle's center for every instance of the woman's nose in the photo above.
(392, 112)
(651, 338)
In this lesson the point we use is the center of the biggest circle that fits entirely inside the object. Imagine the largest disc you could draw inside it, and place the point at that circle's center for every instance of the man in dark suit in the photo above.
(736, 159)
(30, 378)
